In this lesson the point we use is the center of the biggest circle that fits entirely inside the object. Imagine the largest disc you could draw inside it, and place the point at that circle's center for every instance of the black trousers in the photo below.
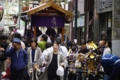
(53, 77)
(65, 73)
(72, 76)
(91, 77)
(18, 75)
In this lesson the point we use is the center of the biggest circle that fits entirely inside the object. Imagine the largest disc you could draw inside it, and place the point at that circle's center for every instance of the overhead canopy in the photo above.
(43, 7)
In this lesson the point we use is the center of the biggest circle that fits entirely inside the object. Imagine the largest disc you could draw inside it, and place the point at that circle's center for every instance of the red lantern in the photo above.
(1, 12)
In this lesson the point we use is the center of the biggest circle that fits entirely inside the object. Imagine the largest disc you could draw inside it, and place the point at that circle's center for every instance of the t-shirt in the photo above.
(44, 54)
(53, 65)
(71, 59)
(107, 51)
(84, 51)
(33, 54)
(41, 45)
(17, 52)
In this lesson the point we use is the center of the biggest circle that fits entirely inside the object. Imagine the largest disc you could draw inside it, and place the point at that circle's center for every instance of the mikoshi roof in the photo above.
(48, 5)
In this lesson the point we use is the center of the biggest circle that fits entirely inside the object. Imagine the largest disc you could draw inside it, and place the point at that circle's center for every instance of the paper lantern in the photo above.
(1, 12)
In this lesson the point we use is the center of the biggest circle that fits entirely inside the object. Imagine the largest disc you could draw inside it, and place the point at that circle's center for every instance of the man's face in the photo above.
(100, 43)
(16, 46)
(103, 42)
(83, 46)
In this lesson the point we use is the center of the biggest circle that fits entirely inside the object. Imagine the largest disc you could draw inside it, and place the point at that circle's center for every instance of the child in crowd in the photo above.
(6, 75)
(71, 61)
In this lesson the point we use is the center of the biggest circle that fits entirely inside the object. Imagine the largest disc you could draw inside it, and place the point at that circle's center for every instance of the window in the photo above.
(109, 20)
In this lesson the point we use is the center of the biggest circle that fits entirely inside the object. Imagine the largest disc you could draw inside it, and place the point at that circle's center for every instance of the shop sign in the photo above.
(80, 21)
(47, 21)
(104, 6)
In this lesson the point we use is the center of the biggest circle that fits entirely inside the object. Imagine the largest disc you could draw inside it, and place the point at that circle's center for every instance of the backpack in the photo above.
(72, 57)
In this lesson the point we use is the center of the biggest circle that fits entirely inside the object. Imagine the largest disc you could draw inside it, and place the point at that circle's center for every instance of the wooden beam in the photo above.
(35, 30)
(63, 35)
(50, 0)
(37, 9)
(25, 28)
(51, 8)
(42, 1)
(51, 11)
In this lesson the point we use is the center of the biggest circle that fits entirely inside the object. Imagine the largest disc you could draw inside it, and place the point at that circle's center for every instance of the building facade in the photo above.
(116, 27)
(107, 22)
(89, 18)
(80, 20)
(102, 20)
(84, 20)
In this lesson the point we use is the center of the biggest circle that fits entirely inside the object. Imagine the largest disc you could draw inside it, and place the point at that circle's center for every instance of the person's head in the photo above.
(3, 38)
(16, 43)
(48, 45)
(74, 48)
(58, 40)
(100, 43)
(57, 35)
(33, 43)
(48, 27)
(89, 41)
(108, 44)
(29, 33)
(83, 45)
(103, 42)
(55, 47)
(44, 37)
(73, 43)
(26, 41)
(0, 38)
(16, 35)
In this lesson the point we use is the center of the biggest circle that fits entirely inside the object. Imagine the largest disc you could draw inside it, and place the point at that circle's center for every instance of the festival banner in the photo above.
(47, 21)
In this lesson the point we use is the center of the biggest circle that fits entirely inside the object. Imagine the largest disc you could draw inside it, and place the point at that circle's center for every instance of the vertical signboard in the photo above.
(81, 6)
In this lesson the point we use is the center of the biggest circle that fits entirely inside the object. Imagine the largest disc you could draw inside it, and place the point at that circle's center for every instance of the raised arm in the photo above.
(10, 51)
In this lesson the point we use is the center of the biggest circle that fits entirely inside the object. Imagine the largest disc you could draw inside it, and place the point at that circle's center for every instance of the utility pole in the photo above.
(19, 14)
(27, 7)
(76, 14)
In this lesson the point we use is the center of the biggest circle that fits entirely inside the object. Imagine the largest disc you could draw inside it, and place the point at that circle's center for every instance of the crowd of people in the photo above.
(40, 59)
